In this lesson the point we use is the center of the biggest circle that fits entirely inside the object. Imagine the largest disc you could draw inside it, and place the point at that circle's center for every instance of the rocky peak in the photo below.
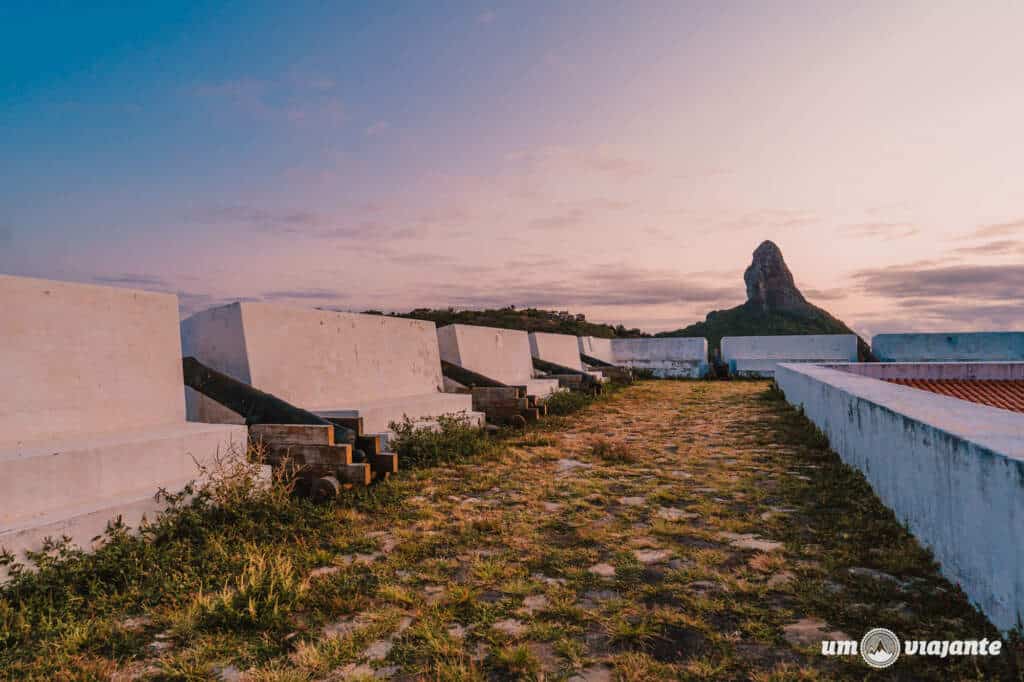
(770, 284)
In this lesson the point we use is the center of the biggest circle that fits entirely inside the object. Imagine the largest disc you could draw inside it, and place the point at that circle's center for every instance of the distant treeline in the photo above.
(526, 319)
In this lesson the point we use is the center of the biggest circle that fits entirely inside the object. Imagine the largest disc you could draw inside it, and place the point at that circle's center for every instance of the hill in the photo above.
(774, 307)
(526, 319)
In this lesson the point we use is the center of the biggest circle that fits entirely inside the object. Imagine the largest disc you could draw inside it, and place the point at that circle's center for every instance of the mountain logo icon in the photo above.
(880, 648)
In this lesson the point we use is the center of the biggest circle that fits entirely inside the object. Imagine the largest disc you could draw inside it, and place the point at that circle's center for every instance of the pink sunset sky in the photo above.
(620, 160)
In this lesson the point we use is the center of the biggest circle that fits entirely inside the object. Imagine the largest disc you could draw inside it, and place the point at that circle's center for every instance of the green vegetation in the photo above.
(749, 320)
(454, 440)
(567, 402)
(668, 530)
(526, 319)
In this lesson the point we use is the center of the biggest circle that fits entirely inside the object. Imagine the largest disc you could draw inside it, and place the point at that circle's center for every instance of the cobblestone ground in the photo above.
(673, 530)
(677, 530)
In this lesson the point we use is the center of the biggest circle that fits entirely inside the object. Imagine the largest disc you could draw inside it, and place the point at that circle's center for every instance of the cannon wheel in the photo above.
(326, 488)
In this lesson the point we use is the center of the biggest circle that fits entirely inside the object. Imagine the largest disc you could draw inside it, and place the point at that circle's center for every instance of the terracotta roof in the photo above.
(1007, 395)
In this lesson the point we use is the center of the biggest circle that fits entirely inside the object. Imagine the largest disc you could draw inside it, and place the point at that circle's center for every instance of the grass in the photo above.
(486, 560)
(454, 440)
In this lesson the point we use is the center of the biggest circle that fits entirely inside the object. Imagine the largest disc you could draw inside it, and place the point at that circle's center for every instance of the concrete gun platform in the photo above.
(501, 354)
(663, 357)
(334, 364)
(93, 418)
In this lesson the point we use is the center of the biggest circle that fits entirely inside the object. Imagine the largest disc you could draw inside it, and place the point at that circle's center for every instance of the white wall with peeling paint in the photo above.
(951, 470)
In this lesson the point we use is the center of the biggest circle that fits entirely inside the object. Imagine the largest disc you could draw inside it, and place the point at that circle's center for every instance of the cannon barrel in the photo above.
(594, 362)
(468, 377)
(555, 368)
(254, 405)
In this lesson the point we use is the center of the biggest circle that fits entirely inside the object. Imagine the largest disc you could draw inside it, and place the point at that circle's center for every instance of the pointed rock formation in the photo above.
(774, 306)
(770, 284)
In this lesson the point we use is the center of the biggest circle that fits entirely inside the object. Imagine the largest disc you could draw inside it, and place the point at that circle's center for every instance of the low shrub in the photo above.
(267, 589)
(567, 402)
(453, 439)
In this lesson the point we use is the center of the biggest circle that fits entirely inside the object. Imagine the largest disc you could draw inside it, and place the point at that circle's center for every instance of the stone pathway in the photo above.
(724, 543)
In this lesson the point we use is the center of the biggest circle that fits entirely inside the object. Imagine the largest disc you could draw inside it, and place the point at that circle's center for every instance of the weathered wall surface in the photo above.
(978, 371)
(758, 355)
(500, 354)
(561, 349)
(666, 357)
(77, 358)
(92, 417)
(949, 469)
(973, 346)
(596, 348)
(318, 360)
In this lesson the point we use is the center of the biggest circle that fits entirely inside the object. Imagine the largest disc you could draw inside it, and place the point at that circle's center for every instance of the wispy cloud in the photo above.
(835, 294)
(1014, 227)
(312, 294)
(996, 248)
(771, 219)
(604, 160)
(606, 285)
(881, 230)
(979, 282)
(134, 280)
(300, 223)
(486, 17)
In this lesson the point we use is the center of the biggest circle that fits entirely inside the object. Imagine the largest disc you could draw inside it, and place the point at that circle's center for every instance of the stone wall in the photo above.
(951, 470)
(961, 347)
(562, 349)
(500, 354)
(80, 359)
(316, 359)
(758, 355)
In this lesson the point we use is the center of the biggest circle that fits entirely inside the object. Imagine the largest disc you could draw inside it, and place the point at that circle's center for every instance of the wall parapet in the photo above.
(951, 470)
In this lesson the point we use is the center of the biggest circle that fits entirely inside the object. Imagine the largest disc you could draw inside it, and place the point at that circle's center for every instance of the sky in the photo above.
(621, 160)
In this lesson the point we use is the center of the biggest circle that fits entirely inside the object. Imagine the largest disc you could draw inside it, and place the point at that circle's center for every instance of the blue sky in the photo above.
(618, 160)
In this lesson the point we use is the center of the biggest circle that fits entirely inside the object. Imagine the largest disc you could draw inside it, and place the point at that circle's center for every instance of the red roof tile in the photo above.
(1007, 395)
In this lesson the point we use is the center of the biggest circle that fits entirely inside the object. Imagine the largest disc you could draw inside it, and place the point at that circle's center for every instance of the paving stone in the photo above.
(323, 571)
(811, 632)
(548, 580)
(378, 650)
(160, 646)
(633, 501)
(136, 623)
(343, 627)
(510, 626)
(228, 673)
(601, 595)
(780, 579)
(874, 574)
(750, 541)
(604, 570)
(564, 465)
(534, 603)
(358, 559)
(352, 671)
(434, 593)
(651, 556)
(673, 514)
(597, 673)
